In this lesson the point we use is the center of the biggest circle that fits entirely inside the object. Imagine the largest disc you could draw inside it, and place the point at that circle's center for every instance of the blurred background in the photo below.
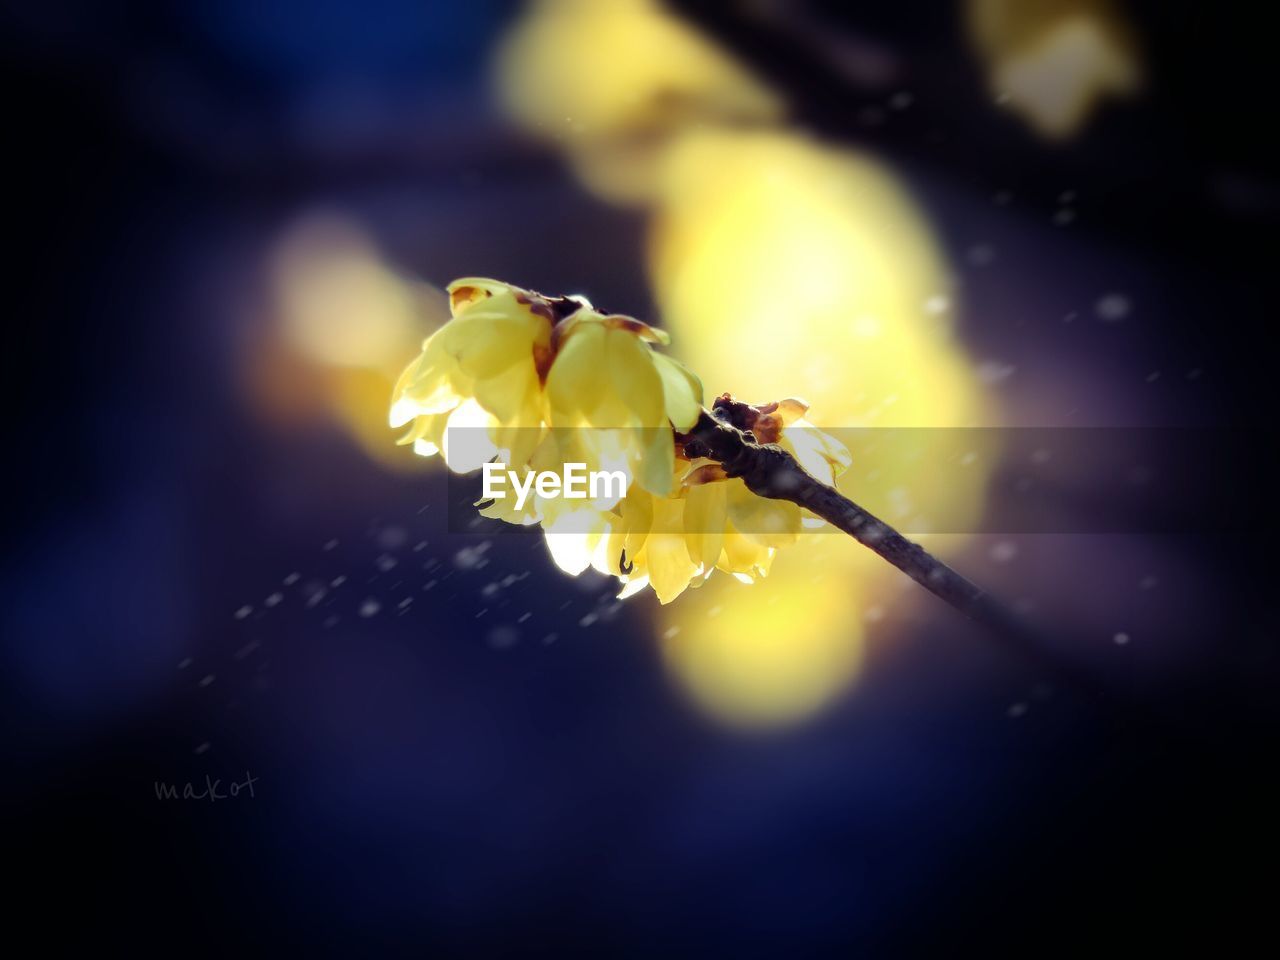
(234, 222)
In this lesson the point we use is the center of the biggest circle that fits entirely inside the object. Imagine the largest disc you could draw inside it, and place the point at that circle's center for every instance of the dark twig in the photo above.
(770, 471)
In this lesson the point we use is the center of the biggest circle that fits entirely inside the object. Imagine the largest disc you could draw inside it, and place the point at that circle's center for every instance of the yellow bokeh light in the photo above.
(1054, 61)
(340, 323)
(611, 80)
(338, 303)
(787, 266)
(766, 655)
(783, 247)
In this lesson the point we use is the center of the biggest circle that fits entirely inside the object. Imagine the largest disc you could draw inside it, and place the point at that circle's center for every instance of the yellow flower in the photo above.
(643, 544)
(483, 370)
(752, 519)
(782, 422)
(548, 381)
(613, 399)
(710, 522)
(667, 543)
(513, 363)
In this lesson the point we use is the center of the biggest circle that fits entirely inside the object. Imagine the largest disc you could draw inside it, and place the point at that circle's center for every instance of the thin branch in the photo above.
(770, 471)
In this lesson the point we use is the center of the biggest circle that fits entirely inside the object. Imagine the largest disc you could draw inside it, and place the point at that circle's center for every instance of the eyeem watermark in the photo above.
(575, 483)
(1201, 480)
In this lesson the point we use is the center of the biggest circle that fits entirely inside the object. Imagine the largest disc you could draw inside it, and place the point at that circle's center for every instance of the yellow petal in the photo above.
(743, 557)
(578, 375)
(635, 378)
(633, 586)
(666, 557)
(791, 410)
(636, 512)
(426, 434)
(466, 443)
(469, 290)
(511, 396)
(486, 344)
(518, 442)
(770, 523)
(572, 539)
(704, 473)
(818, 452)
(431, 384)
(614, 321)
(705, 513)
(682, 392)
(656, 471)
(609, 552)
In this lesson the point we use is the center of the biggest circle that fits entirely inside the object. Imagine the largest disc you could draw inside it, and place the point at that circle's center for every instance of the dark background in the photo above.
(419, 789)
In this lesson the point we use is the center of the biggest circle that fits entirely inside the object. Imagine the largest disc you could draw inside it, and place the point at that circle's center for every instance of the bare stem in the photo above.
(770, 471)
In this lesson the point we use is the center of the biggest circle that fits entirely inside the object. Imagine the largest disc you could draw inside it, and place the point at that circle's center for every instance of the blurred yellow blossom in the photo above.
(338, 320)
(613, 80)
(757, 228)
(1053, 61)
(760, 229)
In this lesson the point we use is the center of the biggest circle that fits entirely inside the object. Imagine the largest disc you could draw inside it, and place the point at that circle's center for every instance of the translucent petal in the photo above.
(633, 586)
(467, 446)
(817, 451)
(579, 375)
(656, 471)
(636, 512)
(426, 434)
(682, 392)
(791, 409)
(666, 556)
(516, 441)
(635, 379)
(402, 411)
(638, 329)
(609, 553)
(742, 555)
(431, 384)
(512, 396)
(490, 346)
(468, 290)
(570, 551)
(770, 523)
(705, 514)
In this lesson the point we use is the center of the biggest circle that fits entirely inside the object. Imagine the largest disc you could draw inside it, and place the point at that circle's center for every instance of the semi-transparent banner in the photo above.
(1086, 480)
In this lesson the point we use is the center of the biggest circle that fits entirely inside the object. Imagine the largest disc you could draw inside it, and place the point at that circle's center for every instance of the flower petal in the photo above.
(705, 513)
(466, 443)
(469, 290)
(682, 392)
(578, 375)
(634, 377)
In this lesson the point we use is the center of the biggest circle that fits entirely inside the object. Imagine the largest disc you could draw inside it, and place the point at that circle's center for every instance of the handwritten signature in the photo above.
(211, 789)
